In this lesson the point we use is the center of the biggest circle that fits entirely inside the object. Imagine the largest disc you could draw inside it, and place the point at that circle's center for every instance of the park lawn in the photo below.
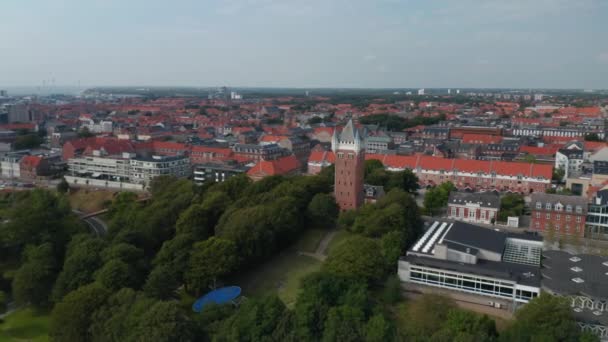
(25, 324)
(90, 201)
(280, 275)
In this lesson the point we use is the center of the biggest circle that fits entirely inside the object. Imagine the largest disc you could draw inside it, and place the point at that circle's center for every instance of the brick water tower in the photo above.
(348, 147)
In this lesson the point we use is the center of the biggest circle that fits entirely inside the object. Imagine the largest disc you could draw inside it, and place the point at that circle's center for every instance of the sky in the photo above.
(306, 43)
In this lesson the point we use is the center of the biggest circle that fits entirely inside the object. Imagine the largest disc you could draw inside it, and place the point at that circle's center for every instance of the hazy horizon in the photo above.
(546, 44)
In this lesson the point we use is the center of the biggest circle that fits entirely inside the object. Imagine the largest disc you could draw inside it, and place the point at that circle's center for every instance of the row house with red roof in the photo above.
(464, 174)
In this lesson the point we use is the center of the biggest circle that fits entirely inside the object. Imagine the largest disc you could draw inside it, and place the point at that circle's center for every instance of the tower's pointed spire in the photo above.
(334, 140)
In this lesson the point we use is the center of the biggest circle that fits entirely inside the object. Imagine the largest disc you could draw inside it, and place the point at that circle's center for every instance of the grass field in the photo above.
(25, 325)
(89, 201)
(282, 274)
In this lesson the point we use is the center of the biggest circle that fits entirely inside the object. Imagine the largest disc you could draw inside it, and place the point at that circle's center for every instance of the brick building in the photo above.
(350, 161)
(474, 207)
(32, 167)
(564, 214)
(464, 174)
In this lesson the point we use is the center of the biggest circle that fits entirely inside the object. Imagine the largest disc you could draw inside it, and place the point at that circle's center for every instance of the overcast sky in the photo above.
(306, 43)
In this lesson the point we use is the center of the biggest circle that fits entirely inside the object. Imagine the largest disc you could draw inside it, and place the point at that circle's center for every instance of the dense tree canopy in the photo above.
(358, 257)
(209, 260)
(437, 197)
(33, 281)
(72, 316)
(135, 283)
(545, 318)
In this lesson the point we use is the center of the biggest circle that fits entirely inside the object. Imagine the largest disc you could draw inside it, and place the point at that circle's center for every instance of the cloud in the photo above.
(603, 57)
(369, 58)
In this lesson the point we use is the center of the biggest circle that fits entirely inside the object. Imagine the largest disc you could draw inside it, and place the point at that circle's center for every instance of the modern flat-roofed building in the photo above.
(127, 168)
(479, 262)
(583, 279)
(217, 172)
(597, 216)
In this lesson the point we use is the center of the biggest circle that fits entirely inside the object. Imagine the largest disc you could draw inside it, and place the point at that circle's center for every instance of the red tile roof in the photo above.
(281, 166)
(322, 156)
(31, 161)
(594, 145)
(539, 151)
(462, 165)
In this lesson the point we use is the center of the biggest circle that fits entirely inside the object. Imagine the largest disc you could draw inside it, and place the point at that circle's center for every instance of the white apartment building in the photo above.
(128, 168)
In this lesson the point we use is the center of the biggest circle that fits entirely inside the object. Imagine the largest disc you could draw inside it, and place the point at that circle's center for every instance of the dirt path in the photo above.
(321, 251)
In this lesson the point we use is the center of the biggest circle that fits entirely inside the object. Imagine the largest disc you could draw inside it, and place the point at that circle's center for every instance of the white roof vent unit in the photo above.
(575, 259)
(605, 263)
(578, 280)
(576, 269)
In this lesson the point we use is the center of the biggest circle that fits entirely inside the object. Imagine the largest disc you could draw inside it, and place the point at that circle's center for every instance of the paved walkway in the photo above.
(97, 226)
(321, 251)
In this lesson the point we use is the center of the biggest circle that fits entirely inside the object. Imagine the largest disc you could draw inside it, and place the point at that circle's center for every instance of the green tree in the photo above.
(530, 159)
(558, 174)
(28, 141)
(344, 323)
(210, 260)
(164, 322)
(162, 282)
(371, 165)
(320, 292)
(33, 281)
(511, 205)
(117, 317)
(328, 174)
(84, 132)
(258, 319)
(379, 177)
(36, 217)
(437, 197)
(534, 324)
(392, 244)
(63, 186)
(405, 180)
(116, 274)
(323, 210)
(82, 260)
(346, 219)
(462, 325)
(72, 316)
(391, 293)
(358, 257)
(3, 301)
(379, 329)
(426, 315)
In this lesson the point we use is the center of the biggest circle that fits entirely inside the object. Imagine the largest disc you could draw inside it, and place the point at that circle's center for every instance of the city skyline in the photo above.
(318, 44)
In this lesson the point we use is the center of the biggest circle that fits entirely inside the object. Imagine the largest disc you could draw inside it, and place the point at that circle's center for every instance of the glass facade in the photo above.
(470, 283)
(597, 222)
